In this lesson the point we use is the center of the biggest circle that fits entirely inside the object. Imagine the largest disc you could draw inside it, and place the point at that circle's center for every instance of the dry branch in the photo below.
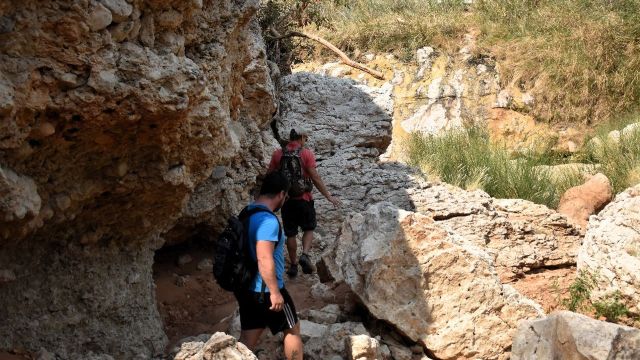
(345, 59)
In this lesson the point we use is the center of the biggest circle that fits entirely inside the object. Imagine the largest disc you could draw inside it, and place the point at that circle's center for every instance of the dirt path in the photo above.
(191, 303)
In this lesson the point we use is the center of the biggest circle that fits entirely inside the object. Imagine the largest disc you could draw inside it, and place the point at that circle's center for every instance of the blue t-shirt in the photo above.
(265, 227)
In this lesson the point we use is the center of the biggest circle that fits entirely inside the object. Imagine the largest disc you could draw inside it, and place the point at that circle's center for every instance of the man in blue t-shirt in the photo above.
(267, 303)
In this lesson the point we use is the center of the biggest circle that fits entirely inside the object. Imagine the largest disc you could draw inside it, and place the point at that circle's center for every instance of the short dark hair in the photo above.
(297, 135)
(293, 135)
(274, 183)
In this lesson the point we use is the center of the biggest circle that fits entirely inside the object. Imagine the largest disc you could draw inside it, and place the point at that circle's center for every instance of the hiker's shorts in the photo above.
(298, 213)
(255, 313)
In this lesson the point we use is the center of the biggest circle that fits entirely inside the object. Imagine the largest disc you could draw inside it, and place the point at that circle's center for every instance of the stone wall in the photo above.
(123, 123)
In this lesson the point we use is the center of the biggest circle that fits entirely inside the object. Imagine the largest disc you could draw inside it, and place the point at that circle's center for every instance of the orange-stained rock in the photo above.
(580, 202)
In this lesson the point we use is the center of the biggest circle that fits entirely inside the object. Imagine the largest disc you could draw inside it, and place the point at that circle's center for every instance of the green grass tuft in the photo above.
(466, 158)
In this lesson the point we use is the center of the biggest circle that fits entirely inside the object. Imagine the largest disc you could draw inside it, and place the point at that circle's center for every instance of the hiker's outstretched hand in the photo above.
(335, 201)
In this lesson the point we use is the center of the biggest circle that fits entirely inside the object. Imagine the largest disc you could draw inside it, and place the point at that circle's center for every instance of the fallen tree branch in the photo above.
(345, 59)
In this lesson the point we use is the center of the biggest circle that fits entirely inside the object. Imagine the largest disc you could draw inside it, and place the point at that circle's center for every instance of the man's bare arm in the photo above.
(267, 269)
(317, 181)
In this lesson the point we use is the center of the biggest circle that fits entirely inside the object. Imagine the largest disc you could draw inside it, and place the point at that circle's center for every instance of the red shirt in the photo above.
(307, 158)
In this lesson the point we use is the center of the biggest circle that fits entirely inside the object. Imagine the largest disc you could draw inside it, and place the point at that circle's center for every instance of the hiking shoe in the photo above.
(293, 270)
(305, 263)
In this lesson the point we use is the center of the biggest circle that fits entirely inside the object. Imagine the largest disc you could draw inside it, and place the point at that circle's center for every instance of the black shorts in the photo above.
(255, 314)
(298, 213)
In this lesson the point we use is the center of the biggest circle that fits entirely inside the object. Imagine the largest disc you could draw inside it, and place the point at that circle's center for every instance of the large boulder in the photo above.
(432, 285)
(519, 235)
(123, 124)
(567, 335)
(582, 201)
(611, 249)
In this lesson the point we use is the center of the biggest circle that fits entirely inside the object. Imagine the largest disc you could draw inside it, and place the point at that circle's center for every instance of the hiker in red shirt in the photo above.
(298, 163)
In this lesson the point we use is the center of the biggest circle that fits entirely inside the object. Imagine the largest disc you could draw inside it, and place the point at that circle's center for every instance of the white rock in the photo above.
(120, 9)
(104, 81)
(503, 99)
(424, 54)
(435, 89)
(364, 347)
(99, 18)
(19, 196)
(611, 249)
(219, 346)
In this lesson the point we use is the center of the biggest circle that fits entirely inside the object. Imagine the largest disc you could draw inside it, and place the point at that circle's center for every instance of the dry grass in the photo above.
(580, 58)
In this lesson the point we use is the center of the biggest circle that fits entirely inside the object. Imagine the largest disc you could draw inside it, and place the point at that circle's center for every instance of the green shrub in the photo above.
(466, 158)
(580, 292)
(611, 307)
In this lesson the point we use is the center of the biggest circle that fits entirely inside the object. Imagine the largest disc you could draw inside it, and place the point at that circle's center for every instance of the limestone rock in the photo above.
(364, 347)
(82, 224)
(580, 202)
(327, 315)
(519, 235)
(19, 196)
(567, 335)
(411, 272)
(327, 341)
(120, 9)
(99, 18)
(611, 249)
(218, 346)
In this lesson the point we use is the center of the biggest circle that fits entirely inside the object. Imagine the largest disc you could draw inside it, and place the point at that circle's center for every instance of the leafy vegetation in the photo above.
(580, 292)
(611, 308)
(467, 158)
(580, 58)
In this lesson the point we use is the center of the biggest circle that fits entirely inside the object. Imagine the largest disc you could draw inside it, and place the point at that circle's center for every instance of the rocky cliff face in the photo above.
(440, 90)
(123, 123)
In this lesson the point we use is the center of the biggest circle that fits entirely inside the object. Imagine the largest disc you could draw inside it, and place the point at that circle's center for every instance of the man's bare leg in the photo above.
(292, 249)
(293, 343)
(250, 338)
(307, 240)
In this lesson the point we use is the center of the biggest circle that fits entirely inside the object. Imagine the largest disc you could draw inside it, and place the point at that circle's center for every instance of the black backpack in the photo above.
(233, 267)
(291, 168)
